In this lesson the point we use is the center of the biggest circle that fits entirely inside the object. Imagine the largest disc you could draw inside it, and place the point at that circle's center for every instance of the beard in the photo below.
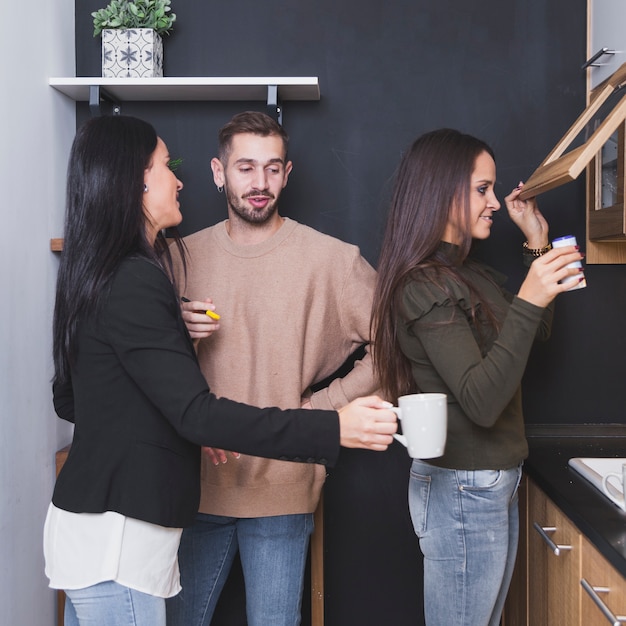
(248, 213)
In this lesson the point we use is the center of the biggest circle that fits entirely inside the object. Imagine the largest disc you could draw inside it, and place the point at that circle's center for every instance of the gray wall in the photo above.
(37, 127)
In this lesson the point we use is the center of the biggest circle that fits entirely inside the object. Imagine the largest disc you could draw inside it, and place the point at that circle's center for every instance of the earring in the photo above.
(220, 189)
(145, 188)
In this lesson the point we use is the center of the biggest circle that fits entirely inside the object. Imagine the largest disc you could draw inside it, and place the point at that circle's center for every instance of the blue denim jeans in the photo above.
(273, 552)
(467, 523)
(112, 604)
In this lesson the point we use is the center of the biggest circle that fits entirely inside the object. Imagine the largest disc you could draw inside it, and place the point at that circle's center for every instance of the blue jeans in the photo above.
(467, 523)
(112, 604)
(273, 552)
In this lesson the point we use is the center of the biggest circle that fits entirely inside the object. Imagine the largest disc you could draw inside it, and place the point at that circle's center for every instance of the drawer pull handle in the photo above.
(615, 620)
(543, 533)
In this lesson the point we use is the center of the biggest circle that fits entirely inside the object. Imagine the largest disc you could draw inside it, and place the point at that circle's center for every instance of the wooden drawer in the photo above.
(603, 590)
(560, 579)
(553, 563)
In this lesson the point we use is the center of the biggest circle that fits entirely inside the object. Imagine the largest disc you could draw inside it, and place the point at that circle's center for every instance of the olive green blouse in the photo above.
(479, 368)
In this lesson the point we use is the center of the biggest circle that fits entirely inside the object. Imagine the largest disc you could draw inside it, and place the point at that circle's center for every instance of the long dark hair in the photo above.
(432, 182)
(104, 222)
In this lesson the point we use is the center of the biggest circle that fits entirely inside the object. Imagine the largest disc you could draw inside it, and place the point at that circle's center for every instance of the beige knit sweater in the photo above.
(293, 308)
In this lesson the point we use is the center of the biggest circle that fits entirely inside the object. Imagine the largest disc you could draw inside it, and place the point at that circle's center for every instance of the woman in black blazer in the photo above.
(126, 375)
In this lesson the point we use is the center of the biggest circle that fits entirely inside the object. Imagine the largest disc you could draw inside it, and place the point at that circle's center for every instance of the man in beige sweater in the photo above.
(294, 304)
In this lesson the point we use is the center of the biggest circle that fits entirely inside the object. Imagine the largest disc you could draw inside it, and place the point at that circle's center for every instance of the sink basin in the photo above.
(595, 469)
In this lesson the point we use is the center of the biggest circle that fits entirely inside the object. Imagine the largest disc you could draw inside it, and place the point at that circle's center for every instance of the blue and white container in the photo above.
(131, 53)
(570, 240)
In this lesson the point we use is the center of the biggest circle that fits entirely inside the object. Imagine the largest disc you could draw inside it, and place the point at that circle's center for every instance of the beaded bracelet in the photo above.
(535, 252)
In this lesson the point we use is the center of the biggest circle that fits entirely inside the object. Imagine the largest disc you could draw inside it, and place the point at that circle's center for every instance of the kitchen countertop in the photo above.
(551, 447)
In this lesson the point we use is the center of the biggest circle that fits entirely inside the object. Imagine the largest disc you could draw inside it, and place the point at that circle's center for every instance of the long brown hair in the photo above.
(431, 181)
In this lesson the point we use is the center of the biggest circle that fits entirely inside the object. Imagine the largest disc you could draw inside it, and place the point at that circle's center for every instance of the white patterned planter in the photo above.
(132, 53)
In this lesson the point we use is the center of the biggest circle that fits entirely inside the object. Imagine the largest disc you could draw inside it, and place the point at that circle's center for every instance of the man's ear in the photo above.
(288, 168)
(218, 172)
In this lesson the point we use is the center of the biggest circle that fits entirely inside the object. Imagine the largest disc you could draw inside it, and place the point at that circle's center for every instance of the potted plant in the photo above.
(131, 36)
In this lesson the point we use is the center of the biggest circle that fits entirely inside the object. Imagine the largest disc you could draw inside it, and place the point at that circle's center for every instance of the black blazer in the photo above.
(142, 409)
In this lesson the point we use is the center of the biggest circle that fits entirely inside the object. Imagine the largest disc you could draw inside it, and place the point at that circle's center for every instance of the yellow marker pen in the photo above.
(208, 312)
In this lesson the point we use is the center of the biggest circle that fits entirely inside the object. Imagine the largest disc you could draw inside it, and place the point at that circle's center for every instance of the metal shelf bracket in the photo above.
(274, 106)
(97, 95)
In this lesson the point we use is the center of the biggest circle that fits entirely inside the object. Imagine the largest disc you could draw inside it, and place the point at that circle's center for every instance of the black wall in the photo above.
(508, 72)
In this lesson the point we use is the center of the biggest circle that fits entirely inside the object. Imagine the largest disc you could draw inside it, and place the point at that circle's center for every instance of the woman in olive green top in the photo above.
(443, 323)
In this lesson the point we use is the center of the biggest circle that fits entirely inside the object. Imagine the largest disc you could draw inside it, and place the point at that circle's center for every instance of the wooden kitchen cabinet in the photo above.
(554, 558)
(596, 141)
(553, 545)
(603, 591)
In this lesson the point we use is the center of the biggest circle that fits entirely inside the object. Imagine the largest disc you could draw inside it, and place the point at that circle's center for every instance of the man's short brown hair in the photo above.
(252, 122)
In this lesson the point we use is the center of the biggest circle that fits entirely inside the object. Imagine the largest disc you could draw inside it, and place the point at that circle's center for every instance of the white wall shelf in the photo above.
(172, 88)
(273, 90)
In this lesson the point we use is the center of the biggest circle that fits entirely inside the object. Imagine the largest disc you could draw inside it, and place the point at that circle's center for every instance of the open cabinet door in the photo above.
(596, 142)
(584, 139)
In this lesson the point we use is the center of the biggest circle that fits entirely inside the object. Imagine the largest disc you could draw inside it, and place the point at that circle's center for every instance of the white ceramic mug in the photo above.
(614, 492)
(424, 418)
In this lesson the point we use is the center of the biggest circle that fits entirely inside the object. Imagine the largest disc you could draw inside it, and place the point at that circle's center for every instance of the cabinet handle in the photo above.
(615, 620)
(543, 530)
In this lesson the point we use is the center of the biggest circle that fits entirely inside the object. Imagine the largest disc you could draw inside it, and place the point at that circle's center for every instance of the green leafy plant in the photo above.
(126, 14)
(174, 164)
